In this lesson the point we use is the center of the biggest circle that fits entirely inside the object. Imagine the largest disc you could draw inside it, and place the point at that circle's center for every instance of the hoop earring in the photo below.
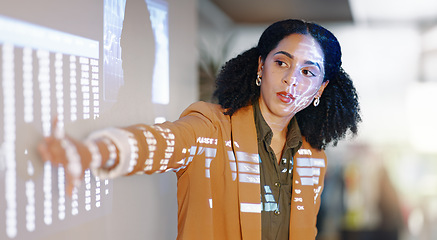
(258, 80)
(316, 102)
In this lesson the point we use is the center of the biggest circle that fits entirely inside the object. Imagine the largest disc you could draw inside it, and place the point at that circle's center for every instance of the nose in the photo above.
(290, 79)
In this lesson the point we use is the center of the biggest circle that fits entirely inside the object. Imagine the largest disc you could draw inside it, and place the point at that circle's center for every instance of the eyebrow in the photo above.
(292, 57)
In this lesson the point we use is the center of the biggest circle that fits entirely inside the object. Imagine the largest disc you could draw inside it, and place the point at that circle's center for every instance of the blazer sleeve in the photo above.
(161, 147)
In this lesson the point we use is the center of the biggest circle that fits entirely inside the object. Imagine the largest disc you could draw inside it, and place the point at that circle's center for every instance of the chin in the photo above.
(286, 113)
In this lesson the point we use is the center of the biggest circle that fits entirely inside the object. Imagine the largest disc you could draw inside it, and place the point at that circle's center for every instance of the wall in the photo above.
(138, 207)
(145, 207)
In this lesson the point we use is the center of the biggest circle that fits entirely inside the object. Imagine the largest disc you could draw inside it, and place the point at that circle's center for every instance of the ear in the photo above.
(322, 88)
(260, 66)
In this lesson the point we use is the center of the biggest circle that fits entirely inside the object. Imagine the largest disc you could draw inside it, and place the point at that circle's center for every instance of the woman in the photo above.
(253, 166)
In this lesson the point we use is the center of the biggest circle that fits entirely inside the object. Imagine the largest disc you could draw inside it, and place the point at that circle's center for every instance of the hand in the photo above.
(63, 150)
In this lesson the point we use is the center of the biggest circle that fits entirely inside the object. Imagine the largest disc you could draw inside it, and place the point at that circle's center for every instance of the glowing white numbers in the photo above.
(298, 199)
(9, 138)
(151, 142)
(316, 193)
(30, 208)
(89, 86)
(169, 138)
(74, 202)
(133, 144)
(95, 87)
(210, 153)
(248, 167)
(207, 140)
(106, 187)
(73, 89)
(97, 192)
(47, 189)
(88, 190)
(28, 85)
(59, 77)
(168, 152)
(61, 191)
(85, 86)
(44, 86)
(308, 171)
(30, 196)
(303, 151)
(59, 89)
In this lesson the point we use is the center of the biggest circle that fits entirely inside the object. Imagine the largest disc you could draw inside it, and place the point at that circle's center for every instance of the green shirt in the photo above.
(276, 179)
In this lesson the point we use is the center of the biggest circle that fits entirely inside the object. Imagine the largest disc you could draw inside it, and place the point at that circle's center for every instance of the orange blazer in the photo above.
(216, 161)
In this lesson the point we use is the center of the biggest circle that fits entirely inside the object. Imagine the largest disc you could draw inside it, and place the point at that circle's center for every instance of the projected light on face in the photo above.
(292, 73)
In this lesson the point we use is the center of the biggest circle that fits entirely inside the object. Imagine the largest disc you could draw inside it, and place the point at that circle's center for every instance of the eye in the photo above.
(281, 63)
(308, 73)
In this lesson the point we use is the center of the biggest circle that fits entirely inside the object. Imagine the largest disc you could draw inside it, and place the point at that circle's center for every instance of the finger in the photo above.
(69, 189)
(69, 186)
(44, 152)
(57, 130)
(73, 166)
(52, 150)
(72, 183)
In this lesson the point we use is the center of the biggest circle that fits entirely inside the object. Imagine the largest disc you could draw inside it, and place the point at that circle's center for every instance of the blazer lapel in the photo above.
(245, 148)
(308, 175)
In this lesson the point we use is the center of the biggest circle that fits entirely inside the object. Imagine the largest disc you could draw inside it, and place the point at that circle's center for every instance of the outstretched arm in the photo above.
(115, 152)
(75, 156)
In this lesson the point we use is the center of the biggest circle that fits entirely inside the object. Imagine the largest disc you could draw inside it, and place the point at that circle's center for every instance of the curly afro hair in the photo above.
(338, 111)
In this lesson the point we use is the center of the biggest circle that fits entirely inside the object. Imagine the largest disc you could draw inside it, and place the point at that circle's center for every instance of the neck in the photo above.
(279, 125)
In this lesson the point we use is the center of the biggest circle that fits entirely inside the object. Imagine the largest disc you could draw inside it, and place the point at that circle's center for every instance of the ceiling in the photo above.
(268, 11)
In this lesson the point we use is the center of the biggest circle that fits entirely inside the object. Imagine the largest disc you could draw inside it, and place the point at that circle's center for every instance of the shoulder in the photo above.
(308, 156)
(307, 151)
(203, 108)
(212, 112)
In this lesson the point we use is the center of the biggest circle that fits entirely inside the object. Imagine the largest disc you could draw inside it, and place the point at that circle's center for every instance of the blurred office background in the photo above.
(381, 184)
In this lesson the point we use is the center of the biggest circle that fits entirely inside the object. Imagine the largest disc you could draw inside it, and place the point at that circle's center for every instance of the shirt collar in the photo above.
(264, 132)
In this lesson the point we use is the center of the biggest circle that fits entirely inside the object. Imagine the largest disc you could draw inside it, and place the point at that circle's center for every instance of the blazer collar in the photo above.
(245, 148)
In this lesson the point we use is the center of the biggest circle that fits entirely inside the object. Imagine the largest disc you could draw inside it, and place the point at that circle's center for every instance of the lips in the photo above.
(285, 97)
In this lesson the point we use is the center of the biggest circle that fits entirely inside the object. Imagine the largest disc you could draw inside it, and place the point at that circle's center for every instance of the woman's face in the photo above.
(292, 75)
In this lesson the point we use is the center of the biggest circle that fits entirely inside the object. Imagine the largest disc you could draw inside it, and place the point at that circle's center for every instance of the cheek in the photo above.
(267, 85)
(308, 87)
(303, 101)
(306, 93)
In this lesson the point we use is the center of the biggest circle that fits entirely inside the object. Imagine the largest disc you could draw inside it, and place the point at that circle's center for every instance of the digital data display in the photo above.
(44, 73)
(47, 73)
